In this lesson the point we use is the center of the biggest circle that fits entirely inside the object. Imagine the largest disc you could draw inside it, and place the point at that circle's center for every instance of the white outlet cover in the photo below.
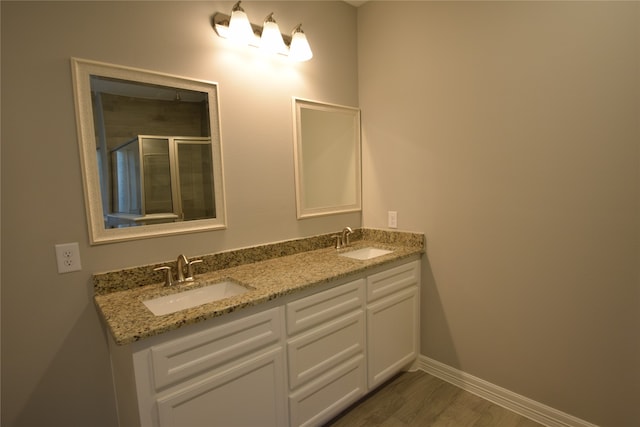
(392, 219)
(68, 257)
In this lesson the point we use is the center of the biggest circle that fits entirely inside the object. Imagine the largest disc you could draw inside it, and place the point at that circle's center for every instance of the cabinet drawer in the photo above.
(325, 397)
(185, 357)
(324, 347)
(308, 312)
(389, 281)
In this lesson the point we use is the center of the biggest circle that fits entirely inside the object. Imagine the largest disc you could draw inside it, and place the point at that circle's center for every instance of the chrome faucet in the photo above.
(342, 240)
(180, 278)
(345, 236)
(181, 263)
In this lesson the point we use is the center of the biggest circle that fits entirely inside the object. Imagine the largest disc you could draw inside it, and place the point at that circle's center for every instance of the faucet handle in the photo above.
(168, 278)
(190, 276)
(338, 241)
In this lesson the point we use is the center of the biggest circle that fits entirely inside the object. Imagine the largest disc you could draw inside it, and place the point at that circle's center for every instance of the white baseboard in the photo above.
(521, 405)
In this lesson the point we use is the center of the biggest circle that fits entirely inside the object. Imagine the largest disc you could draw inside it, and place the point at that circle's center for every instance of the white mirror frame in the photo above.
(328, 171)
(81, 72)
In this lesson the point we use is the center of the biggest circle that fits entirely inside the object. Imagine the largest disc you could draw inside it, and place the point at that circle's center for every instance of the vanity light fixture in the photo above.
(268, 37)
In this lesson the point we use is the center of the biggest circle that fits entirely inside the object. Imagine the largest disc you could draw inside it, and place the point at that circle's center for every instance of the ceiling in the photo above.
(356, 3)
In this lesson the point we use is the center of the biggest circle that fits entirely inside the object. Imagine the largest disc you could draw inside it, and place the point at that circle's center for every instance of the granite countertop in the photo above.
(129, 320)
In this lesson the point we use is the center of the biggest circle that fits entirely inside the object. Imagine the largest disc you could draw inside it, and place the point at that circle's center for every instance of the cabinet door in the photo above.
(248, 394)
(392, 335)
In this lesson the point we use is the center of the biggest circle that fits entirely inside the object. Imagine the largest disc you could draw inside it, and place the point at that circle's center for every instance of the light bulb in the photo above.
(271, 40)
(299, 49)
(240, 30)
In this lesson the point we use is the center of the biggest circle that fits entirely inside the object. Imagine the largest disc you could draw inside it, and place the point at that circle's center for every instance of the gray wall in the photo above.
(508, 132)
(55, 367)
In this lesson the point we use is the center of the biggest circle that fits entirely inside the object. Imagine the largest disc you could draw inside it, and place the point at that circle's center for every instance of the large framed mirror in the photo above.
(327, 158)
(150, 152)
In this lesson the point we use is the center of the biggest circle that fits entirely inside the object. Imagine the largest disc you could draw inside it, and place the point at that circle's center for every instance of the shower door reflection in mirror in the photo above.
(159, 179)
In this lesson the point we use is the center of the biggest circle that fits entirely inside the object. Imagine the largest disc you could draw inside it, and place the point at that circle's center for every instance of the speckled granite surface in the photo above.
(270, 271)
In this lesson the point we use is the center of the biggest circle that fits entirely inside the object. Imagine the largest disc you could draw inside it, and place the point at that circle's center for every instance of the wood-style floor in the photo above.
(420, 399)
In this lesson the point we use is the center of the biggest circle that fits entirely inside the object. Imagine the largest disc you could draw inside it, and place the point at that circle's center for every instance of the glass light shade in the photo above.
(240, 30)
(300, 49)
(271, 40)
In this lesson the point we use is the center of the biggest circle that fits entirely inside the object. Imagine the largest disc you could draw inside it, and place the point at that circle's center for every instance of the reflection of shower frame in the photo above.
(130, 205)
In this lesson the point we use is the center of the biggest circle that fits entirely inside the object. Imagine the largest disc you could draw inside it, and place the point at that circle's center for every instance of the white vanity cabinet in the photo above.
(393, 321)
(230, 374)
(325, 349)
(294, 361)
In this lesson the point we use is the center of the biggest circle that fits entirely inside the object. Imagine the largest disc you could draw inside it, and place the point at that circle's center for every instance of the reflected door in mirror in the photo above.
(156, 167)
(161, 179)
(195, 173)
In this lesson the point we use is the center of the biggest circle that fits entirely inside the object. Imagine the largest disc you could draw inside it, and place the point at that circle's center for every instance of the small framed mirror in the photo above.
(150, 152)
(327, 158)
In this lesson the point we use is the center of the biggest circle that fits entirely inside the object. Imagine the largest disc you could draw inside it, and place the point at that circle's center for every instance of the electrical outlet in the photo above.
(392, 219)
(68, 257)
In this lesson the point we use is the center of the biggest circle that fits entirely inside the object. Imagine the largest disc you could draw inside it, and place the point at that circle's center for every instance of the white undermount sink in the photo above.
(194, 297)
(365, 253)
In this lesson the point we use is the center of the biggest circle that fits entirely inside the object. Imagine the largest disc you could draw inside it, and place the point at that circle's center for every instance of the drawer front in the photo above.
(324, 347)
(324, 398)
(185, 357)
(313, 310)
(245, 395)
(389, 281)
